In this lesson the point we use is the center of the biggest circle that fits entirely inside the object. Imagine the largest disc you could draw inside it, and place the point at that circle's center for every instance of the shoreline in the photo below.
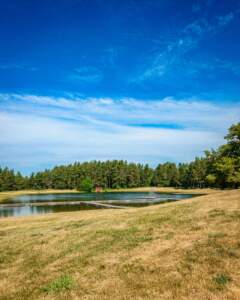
(9, 194)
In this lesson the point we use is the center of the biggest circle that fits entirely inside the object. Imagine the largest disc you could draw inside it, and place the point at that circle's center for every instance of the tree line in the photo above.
(217, 168)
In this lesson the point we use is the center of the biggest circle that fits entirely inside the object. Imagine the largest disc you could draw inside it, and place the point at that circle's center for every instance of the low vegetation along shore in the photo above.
(182, 250)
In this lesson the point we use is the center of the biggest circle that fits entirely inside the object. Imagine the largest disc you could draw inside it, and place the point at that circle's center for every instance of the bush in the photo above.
(86, 185)
(211, 179)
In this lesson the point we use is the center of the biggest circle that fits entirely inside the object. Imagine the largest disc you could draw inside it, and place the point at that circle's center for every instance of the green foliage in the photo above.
(9, 181)
(86, 185)
(218, 168)
(211, 179)
(221, 280)
(166, 174)
(65, 282)
(233, 139)
(225, 162)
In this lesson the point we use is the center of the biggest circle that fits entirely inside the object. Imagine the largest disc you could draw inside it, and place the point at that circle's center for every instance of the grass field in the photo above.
(183, 250)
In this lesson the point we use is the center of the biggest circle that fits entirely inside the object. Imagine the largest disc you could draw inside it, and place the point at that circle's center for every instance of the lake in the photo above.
(36, 204)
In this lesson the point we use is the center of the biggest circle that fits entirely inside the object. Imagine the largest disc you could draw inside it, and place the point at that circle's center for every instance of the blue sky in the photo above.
(146, 81)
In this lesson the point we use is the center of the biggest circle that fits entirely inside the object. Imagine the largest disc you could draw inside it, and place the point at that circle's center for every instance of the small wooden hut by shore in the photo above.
(98, 189)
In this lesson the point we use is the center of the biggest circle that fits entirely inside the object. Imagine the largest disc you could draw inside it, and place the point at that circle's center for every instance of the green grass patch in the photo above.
(169, 236)
(121, 238)
(63, 283)
(221, 280)
(216, 235)
(216, 213)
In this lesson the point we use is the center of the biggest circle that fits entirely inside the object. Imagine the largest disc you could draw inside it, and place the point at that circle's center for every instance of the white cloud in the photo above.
(225, 20)
(37, 130)
(86, 74)
(171, 59)
(22, 66)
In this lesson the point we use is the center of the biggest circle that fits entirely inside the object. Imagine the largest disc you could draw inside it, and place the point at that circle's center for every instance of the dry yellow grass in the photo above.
(183, 250)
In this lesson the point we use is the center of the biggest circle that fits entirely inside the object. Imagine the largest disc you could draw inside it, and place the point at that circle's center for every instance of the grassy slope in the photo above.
(182, 250)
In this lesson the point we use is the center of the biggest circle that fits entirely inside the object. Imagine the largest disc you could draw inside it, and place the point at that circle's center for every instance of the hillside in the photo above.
(184, 250)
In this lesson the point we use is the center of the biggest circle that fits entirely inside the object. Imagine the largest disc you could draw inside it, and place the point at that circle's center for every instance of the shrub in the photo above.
(86, 185)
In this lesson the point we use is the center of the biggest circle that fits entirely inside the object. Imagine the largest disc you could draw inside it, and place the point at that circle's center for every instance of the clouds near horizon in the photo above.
(41, 131)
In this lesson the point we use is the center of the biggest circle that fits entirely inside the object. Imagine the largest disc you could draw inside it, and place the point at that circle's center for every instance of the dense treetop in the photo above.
(218, 168)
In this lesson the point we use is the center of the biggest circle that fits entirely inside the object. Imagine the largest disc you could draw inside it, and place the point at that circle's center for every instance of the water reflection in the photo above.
(27, 210)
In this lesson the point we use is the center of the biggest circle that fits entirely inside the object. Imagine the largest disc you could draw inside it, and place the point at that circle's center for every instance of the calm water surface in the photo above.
(26, 204)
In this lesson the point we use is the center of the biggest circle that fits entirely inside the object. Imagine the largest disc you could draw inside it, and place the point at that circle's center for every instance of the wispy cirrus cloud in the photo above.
(202, 26)
(20, 67)
(37, 131)
(191, 113)
(225, 20)
(86, 74)
(172, 59)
